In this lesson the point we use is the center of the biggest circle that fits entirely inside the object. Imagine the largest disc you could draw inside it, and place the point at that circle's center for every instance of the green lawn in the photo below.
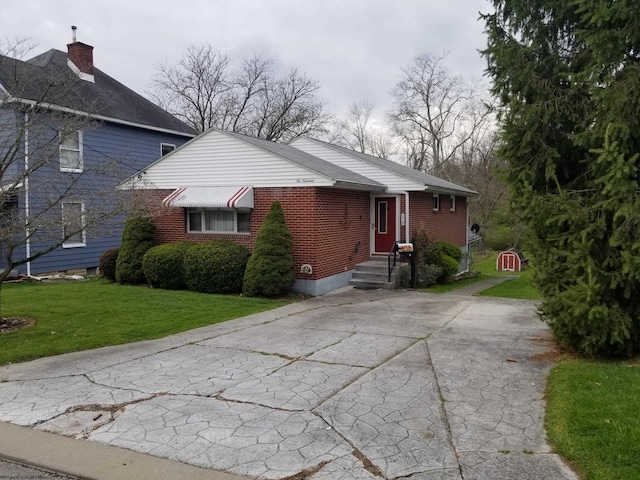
(593, 418)
(448, 287)
(520, 287)
(81, 315)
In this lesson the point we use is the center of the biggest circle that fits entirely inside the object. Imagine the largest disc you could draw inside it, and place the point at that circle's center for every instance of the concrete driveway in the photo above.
(352, 385)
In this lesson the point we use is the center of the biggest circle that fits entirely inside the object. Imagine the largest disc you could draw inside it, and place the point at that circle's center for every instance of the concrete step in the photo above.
(373, 276)
(356, 283)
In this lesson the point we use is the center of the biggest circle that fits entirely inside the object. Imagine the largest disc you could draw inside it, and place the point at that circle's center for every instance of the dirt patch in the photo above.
(11, 324)
(553, 352)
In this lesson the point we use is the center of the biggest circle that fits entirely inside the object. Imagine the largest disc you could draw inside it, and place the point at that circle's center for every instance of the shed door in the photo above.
(385, 224)
(509, 262)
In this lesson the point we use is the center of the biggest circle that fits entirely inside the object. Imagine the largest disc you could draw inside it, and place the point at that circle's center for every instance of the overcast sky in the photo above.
(354, 48)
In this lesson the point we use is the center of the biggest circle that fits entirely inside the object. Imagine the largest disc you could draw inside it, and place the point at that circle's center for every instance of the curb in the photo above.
(92, 460)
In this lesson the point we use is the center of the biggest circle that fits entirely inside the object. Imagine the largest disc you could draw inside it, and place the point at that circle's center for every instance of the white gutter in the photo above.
(26, 191)
(52, 106)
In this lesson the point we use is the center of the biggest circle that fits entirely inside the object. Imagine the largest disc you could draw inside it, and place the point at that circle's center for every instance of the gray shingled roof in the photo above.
(342, 176)
(47, 78)
(433, 183)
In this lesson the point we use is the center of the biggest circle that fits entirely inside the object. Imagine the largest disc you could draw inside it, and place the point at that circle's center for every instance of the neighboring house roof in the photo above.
(218, 157)
(48, 79)
(431, 182)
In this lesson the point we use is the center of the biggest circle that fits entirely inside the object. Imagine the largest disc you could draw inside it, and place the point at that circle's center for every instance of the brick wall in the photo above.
(326, 225)
(443, 224)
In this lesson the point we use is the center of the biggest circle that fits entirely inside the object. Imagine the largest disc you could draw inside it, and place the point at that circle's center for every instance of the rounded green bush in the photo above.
(163, 265)
(215, 267)
(108, 264)
(448, 248)
(449, 267)
(137, 238)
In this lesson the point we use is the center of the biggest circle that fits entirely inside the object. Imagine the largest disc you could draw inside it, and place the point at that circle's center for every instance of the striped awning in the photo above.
(210, 197)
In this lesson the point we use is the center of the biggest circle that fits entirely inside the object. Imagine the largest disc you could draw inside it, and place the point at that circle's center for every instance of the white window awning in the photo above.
(210, 197)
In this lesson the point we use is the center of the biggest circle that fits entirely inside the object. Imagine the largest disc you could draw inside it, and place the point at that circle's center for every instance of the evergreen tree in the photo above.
(567, 73)
(137, 238)
(270, 268)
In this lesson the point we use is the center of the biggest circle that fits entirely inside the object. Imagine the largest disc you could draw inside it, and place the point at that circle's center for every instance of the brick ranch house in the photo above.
(342, 206)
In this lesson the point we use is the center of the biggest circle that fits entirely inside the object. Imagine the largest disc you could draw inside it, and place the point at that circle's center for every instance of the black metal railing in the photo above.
(394, 251)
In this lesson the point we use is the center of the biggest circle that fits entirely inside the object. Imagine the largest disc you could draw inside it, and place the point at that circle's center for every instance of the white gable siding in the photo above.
(391, 180)
(216, 159)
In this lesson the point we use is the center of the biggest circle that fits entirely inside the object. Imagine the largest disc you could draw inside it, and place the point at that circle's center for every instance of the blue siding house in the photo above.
(69, 133)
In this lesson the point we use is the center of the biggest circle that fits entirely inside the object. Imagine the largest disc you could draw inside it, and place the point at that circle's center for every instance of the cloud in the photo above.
(355, 49)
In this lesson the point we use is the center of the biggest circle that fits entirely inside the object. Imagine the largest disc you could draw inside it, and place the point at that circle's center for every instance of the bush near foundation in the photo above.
(108, 264)
(137, 238)
(270, 271)
(215, 267)
(163, 265)
(436, 262)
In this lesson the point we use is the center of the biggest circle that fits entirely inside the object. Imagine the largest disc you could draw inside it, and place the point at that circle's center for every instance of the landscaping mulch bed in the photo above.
(10, 324)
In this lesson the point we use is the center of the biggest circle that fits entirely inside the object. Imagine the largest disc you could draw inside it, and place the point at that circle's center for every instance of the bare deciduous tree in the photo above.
(435, 114)
(357, 132)
(204, 91)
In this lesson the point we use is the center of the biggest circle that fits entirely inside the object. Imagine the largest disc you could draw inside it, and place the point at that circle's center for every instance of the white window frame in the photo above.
(221, 232)
(79, 150)
(436, 202)
(70, 243)
(453, 203)
(172, 145)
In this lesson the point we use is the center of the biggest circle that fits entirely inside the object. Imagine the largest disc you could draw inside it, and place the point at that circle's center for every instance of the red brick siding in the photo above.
(342, 221)
(443, 224)
(325, 223)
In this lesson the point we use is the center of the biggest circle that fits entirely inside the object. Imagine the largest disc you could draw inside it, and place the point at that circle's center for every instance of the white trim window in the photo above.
(218, 220)
(436, 202)
(73, 225)
(166, 148)
(453, 203)
(71, 151)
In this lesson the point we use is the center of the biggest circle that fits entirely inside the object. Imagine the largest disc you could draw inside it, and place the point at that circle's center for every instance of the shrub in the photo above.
(436, 262)
(270, 269)
(108, 264)
(427, 274)
(163, 265)
(448, 248)
(137, 238)
(449, 267)
(215, 267)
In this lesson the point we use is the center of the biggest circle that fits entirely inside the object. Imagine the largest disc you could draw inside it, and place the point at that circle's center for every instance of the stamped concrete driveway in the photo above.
(353, 385)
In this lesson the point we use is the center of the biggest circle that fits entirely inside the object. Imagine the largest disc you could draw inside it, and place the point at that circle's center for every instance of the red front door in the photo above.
(385, 224)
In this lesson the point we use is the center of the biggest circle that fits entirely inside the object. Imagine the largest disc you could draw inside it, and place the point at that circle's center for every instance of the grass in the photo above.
(81, 315)
(593, 417)
(520, 287)
(448, 287)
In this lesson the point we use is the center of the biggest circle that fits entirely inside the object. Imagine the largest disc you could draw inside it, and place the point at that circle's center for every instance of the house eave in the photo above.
(344, 184)
(103, 118)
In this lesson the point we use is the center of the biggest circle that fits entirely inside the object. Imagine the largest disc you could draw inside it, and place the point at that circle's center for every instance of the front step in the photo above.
(374, 273)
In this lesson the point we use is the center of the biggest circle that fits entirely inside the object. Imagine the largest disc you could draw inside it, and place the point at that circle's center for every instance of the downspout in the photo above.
(467, 253)
(26, 192)
(406, 215)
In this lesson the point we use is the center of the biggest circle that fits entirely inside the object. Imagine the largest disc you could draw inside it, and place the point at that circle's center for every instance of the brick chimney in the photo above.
(81, 55)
